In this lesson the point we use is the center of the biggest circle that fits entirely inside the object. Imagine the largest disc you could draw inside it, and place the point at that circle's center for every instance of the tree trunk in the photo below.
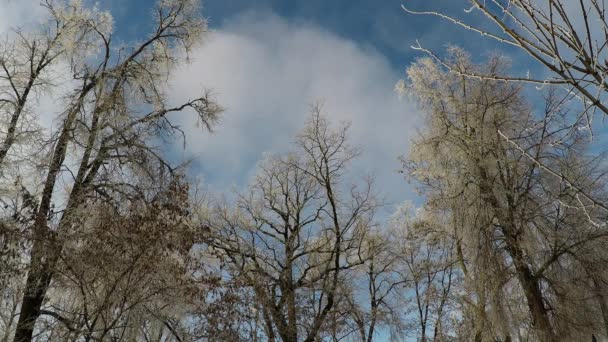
(527, 280)
(46, 249)
(372, 324)
(600, 298)
(534, 298)
(36, 286)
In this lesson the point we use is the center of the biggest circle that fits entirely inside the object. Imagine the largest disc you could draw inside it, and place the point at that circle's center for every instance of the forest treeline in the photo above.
(104, 238)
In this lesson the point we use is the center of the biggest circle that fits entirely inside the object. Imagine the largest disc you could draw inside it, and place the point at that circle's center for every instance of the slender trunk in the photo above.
(446, 290)
(500, 312)
(35, 290)
(11, 319)
(532, 292)
(9, 140)
(268, 325)
(336, 259)
(10, 134)
(292, 323)
(361, 328)
(531, 287)
(482, 317)
(372, 324)
(47, 248)
(374, 301)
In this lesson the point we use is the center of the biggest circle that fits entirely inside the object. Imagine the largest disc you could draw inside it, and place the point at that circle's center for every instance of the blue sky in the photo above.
(374, 24)
(286, 55)
(267, 61)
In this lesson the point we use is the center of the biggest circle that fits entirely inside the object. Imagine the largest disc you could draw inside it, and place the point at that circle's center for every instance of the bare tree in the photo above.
(373, 289)
(297, 230)
(25, 63)
(427, 255)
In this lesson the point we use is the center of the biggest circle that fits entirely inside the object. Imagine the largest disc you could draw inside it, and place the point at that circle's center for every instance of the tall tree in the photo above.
(297, 231)
(108, 129)
(568, 39)
(514, 224)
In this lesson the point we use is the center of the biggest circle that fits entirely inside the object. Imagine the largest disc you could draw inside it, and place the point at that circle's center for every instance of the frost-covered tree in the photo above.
(518, 229)
(566, 37)
(569, 42)
(106, 142)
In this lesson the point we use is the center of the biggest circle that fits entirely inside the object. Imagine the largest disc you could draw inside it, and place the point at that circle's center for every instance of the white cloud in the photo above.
(267, 72)
(20, 14)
